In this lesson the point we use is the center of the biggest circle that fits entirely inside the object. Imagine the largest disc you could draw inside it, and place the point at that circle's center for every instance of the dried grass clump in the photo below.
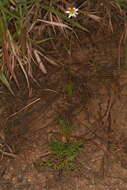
(25, 25)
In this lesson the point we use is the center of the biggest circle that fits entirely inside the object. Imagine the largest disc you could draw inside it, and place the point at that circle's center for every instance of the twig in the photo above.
(8, 154)
(23, 108)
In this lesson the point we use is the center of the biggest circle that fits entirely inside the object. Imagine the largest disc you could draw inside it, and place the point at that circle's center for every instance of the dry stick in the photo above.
(45, 154)
(119, 47)
(125, 46)
(106, 153)
(24, 108)
(109, 106)
(8, 154)
(103, 118)
(107, 117)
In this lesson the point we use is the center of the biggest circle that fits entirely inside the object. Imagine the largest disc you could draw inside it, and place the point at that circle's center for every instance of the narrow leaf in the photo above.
(5, 82)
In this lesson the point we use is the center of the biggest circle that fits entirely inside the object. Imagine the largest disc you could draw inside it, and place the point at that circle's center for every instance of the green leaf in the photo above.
(5, 82)
(7, 11)
(122, 3)
(69, 88)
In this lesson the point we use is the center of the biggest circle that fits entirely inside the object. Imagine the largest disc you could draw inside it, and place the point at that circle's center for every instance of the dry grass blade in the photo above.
(15, 52)
(24, 108)
(51, 61)
(55, 24)
(123, 37)
(116, 5)
(51, 18)
(8, 154)
(72, 22)
(29, 59)
(63, 29)
(94, 17)
(31, 27)
(110, 21)
(23, 69)
(40, 64)
(8, 61)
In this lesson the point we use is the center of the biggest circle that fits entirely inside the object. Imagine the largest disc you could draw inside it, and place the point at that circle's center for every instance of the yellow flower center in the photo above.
(72, 11)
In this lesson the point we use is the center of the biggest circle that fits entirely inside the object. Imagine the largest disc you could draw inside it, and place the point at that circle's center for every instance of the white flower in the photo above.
(72, 12)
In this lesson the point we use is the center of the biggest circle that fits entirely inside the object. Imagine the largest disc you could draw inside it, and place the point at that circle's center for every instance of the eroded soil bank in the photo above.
(97, 107)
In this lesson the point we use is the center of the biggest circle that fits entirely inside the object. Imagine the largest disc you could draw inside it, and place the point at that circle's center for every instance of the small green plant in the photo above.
(65, 127)
(69, 88)
(63, 155)
(122, 3)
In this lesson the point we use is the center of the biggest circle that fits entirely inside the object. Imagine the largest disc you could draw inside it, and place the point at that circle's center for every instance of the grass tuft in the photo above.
(26, 26)
(63, 155)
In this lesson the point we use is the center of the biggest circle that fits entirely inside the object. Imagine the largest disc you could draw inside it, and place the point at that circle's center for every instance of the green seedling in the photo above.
(63, 155)
(69, 88)
(65, 127)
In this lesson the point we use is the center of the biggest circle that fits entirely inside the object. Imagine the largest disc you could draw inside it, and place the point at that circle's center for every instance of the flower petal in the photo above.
(72, 12)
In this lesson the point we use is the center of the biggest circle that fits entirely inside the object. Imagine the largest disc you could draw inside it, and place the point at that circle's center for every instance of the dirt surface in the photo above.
(97, 108)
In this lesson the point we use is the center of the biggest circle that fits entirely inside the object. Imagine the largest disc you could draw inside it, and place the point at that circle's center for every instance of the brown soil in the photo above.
(97, 108)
